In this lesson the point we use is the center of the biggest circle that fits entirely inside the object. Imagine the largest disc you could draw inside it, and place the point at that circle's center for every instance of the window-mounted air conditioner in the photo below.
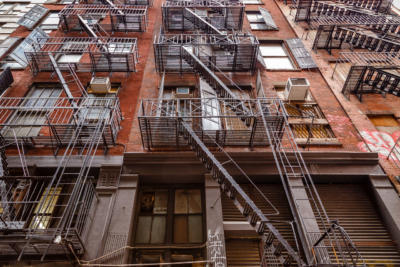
(296, 89)
(100, 85)
(183, 92)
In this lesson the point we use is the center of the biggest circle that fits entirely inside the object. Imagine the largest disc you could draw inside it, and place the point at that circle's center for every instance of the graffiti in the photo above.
(380, 142)
(216, 250)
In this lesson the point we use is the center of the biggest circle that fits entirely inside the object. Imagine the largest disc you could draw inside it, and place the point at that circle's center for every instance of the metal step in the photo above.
(261, 224)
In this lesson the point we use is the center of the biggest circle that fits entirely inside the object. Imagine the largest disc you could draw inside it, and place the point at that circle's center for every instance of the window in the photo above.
(252, 2)
(261, 20)
(276, 57)
(305, 131)
(311, 113)
(50, 22)
(119, 48)
(256, 20)
(72, 52)
(178, 211)
(29, 19)
(45, 208)
(210, 107)
(235, 123)
(17, 58)
(40, 96)
(94, 107)
(152, 221)
(385, 123)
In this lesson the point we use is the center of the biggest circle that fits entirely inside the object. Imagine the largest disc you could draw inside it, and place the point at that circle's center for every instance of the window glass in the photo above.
(181, 201)
(251, 2)
(160, 202)
(195, 229)
(38, 97)
(69, 58)
(275, 57)
(272, 50)
(194, 201)
(45, 208)
(186, 217)
(180, 229)
(143, 229)
(278, 63)
(158, 229)
(152, 219)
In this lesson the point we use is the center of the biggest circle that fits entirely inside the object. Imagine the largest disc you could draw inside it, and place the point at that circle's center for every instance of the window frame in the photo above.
(21, 114)
(258, 22)
(288, 55)
(170, 214)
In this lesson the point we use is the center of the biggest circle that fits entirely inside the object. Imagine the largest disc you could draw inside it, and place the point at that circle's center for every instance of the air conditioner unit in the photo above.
(297, 89)
(183, 92)
(100, 85)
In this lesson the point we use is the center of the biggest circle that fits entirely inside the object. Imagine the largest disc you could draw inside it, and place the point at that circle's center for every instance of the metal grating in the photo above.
(116, 54)
(33, 16)
(301, 54)
(269, 21)
(117, 18)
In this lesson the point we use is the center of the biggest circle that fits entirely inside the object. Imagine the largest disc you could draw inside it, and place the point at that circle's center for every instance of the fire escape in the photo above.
(338, 24)
(164, 122)
(47, 216)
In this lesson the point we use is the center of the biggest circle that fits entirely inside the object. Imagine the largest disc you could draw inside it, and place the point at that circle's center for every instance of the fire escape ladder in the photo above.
(62, 81)
(200, 22)
(275, 246)
(75, 78)
(93, 28)
(92, 133)
(209, 76)
(296, 178)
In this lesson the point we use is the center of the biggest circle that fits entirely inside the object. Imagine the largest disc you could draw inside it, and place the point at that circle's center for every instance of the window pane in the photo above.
(181, 202)
(195, 229)
(160, 202)
(69, 59)
(194, 201)
(272, 50)
(158, 230)
(281, 63)
(41, 222)
(147, 202)
(180, 229)
(143, 229)
(255, 18)
(48, 201)
(258, 26)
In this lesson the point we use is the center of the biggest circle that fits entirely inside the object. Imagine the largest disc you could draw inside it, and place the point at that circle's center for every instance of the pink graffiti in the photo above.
(380, 142)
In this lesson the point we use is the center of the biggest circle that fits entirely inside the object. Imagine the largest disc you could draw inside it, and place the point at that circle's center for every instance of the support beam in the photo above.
(215, 222)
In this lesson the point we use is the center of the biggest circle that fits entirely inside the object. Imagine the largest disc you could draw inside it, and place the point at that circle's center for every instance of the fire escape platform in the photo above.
(230, 52)
(117, 18)
(56, 119)
(110, 54)
(158, 120)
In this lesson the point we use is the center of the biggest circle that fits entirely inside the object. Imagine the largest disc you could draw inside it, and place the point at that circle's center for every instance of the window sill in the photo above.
(276, 70)
(307, 121)
(318, 141)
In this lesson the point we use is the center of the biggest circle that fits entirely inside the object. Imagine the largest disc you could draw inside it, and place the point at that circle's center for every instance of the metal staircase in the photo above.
(202, 23)
(320, 244)
(271, 237)
(220, 88)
